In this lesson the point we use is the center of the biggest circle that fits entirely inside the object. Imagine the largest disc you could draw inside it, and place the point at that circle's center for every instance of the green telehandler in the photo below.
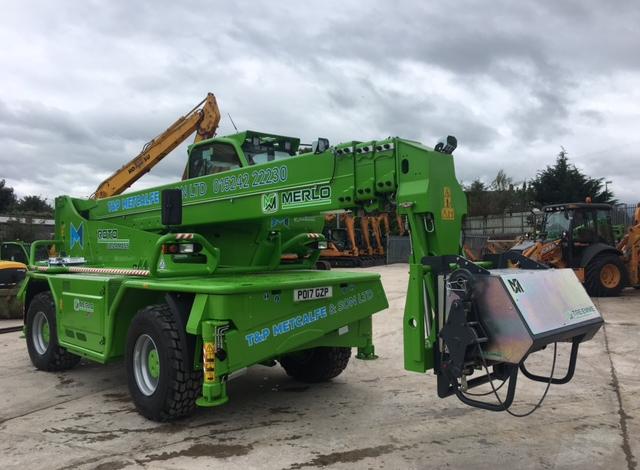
(193, 282)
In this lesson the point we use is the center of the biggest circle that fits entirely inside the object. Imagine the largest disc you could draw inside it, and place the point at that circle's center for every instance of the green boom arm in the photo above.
(247, 217)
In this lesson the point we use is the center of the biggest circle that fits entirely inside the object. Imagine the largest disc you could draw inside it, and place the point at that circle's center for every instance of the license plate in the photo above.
(314, 293)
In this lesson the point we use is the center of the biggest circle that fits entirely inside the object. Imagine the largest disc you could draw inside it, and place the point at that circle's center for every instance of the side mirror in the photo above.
(320, 145)
(171, 201)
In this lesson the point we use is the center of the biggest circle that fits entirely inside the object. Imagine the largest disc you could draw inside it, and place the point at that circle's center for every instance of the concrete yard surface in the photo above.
(374, 415)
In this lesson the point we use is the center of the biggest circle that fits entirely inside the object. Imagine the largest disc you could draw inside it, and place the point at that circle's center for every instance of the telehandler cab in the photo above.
(187, 281)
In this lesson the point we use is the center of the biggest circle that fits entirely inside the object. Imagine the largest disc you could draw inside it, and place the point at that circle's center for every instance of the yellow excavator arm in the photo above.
(203, 119)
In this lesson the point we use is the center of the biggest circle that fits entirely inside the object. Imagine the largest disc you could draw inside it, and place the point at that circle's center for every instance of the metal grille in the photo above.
(398, 250)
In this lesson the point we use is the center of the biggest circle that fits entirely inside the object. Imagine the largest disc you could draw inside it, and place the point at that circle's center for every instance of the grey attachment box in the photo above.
(524, 310)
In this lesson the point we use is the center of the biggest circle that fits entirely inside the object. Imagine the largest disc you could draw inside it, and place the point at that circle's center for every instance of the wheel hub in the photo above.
(154, 364)
(610, 275)
(146, 364)
(40, 333)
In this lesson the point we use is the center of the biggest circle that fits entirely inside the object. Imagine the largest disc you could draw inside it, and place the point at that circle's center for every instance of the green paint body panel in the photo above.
(252, 225)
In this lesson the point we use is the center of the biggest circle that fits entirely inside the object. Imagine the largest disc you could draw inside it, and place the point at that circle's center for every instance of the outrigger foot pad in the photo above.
(368, 353)
(213, 395)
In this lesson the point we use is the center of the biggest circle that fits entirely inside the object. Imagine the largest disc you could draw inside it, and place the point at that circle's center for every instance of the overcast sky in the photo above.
(84, 84)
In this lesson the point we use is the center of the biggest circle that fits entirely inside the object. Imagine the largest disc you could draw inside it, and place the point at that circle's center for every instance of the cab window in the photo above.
(214, 158)
(556, 223)
(266, 149)
(13, 252)
(592, 226)
(604, 227)
(583, 227)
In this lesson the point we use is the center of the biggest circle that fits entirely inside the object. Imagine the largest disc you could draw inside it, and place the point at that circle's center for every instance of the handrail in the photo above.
(184, 269)
(37, 244)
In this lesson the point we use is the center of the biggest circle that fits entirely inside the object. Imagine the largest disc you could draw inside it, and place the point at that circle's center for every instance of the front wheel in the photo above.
(161, 378)
(605, 276)
(42, 336)
(316, 364)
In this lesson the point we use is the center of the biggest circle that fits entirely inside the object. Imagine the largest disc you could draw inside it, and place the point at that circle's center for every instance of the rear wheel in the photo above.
(42, 337)
(605, 276)
(316, 364)
(323, 265)
(161, 378)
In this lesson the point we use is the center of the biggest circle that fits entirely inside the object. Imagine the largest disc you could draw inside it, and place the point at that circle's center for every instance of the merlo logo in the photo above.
(269, 203)
(77, 235)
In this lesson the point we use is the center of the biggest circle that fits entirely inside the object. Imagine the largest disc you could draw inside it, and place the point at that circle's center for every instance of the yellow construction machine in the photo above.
(202, 119)
(358, 246)
(580, 236)
(629, 246)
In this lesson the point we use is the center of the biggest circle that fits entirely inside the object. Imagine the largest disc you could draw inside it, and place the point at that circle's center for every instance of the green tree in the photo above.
(563, 182)
(502, 182)
(34, 204)
(501, 196)
(477, 195)
(476, 186)
(8, 198)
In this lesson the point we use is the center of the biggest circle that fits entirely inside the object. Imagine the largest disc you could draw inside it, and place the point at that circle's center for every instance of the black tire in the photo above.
(50, 357)
(596, 274)
(323, 265)
(316, 364)
(178, 385)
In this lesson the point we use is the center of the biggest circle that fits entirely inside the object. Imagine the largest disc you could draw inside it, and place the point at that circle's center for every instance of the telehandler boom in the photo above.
(195, 281)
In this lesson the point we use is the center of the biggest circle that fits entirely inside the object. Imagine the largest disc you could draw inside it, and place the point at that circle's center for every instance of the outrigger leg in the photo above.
(214, 389)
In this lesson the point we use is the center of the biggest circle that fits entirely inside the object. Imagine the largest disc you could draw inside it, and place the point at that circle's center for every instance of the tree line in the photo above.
(11, 204)
(558, 183)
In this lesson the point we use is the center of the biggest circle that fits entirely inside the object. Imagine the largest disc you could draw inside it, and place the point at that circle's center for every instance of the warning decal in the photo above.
(447, 212)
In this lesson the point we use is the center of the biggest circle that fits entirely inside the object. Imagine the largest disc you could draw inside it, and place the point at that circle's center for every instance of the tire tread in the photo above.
(185, 383)
(592, 276)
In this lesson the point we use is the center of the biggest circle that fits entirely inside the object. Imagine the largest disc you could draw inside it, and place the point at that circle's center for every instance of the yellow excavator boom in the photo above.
(202, 119)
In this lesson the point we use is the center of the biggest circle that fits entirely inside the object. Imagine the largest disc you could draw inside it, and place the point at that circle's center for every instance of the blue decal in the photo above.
(306, 318)
(77, 236)
(299, 321)
(275, 223)
(141, 200)
(151, 198)
(257, 337)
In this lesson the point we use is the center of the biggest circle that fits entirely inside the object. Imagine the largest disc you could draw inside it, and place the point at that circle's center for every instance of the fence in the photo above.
(479, 229)
(26, 229)
(398, 249)
(622, 214)
(499, 226)
(518, 223)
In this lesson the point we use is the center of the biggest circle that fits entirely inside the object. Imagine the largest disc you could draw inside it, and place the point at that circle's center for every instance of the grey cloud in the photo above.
(88, 83)
(43, 119)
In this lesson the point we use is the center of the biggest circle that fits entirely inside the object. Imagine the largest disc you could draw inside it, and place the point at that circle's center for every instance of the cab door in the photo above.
(13, 252)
